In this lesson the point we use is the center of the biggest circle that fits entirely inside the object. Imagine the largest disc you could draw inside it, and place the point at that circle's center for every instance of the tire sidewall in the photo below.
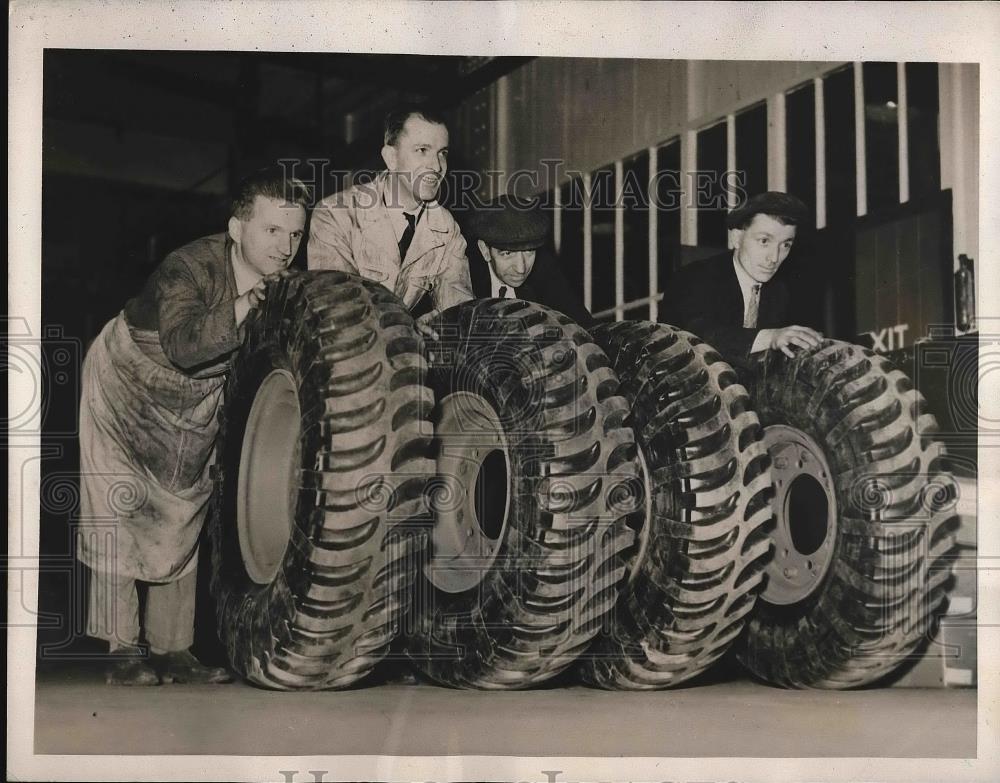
(236, 593)
(478, 359)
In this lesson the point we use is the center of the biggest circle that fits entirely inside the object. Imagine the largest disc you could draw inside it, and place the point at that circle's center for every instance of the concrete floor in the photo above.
(75, 713)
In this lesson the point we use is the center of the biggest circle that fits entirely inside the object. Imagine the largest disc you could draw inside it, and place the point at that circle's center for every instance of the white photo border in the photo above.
(952, 32)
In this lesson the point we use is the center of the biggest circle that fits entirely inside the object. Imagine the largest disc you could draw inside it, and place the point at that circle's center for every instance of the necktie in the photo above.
(753, 306)
(404, 241)
(503, 292)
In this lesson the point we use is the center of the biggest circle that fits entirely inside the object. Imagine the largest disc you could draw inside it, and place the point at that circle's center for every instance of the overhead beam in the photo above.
(396, 71)
(209, 90)
(432, 77)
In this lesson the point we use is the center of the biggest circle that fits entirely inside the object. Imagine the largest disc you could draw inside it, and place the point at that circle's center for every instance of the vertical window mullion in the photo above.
(557, 219)
(730, 167)
(777, 164)
(651, 200)
(902, 126)
(820, 154)
(619, 242)
(860, 174)
(588, 244)
(689, 208)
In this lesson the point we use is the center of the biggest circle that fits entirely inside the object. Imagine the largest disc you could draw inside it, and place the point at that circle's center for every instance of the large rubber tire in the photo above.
(349, 438)
(555, 560)
(697, 564)
(888, 530)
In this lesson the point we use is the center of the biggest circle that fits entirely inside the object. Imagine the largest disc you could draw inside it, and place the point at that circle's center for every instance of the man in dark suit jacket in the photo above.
(731, 301)
(510, 262)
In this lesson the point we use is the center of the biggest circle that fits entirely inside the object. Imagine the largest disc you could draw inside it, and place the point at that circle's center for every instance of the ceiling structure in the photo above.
(221, 112)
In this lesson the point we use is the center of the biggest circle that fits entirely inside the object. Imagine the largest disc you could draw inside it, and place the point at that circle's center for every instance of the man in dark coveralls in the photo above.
(731, 301)
(510, 262)
(152, 386)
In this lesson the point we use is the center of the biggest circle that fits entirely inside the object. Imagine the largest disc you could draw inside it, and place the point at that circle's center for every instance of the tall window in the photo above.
(838, 121)
(602, 232)
(635, 209)
(571, 235)
(669, 204)
(800, 144)
(751, 149)
(922, 126)
(710, 186)
(881, 135)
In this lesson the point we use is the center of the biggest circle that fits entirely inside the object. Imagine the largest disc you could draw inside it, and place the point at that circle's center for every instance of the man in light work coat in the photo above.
(393, 230)
(152, 386)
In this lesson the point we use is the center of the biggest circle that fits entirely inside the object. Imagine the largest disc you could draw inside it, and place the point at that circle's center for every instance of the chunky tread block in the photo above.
(556, 576)
(687, 597)
(887, 585)
(326, 618)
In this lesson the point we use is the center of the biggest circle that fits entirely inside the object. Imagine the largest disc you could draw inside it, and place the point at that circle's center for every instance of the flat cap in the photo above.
(772, 202)
(510, 223)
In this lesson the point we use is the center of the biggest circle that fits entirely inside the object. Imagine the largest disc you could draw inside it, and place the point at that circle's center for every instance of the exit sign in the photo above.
(891, 338)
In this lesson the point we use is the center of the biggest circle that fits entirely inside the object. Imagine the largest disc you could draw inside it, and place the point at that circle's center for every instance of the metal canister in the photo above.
(965, 294)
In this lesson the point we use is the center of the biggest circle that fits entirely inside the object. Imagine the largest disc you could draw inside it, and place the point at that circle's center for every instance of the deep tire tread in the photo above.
(557, 578)
(886, 587)
(327, 617)
(687, 601)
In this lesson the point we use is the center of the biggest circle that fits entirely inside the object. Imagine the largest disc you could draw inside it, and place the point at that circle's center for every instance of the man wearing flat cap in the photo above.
(731, 301)
(512, 263)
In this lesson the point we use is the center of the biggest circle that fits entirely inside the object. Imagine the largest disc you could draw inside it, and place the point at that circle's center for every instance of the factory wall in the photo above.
(860, 143)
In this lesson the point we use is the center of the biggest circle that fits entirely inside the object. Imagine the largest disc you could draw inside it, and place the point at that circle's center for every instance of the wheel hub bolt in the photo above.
(791, 573)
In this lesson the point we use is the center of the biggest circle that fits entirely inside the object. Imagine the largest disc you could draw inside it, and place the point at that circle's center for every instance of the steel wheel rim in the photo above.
(805, 533)
(463, 549)
(645, 523)
(268, 486)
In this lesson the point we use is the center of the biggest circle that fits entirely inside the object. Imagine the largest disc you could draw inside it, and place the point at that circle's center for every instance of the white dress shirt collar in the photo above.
(398, 218)
(496, 284)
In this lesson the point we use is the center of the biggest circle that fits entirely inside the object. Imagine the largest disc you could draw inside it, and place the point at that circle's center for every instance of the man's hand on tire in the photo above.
(423, 324)
(790, 337)
(250, 299)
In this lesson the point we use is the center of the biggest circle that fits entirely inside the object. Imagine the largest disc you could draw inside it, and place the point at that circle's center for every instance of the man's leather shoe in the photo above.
(134, 669)
(182, 666)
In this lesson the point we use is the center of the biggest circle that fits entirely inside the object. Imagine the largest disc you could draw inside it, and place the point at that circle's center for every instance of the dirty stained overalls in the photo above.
(152, 386)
